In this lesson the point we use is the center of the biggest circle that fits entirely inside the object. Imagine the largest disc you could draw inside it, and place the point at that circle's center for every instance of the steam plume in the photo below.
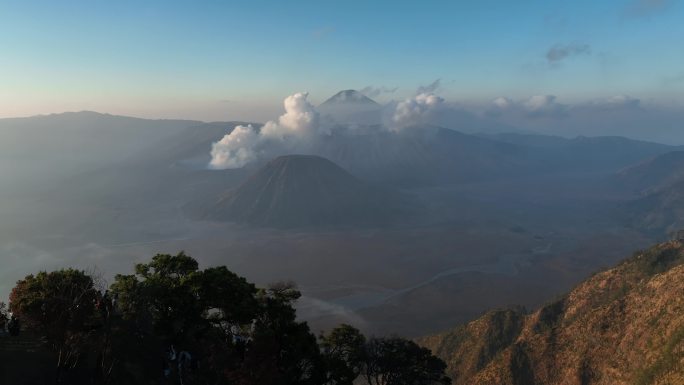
(245, 144)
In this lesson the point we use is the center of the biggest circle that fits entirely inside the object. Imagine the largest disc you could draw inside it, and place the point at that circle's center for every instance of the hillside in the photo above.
(306, 190)
(40, 149)
(658, 186)
(658, 211)
(654, 174)
(621, 326)
(426, 155)
(587, 153)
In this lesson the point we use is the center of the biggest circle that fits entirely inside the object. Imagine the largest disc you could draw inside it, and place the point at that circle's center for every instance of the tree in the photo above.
(343, 354)
(397, 361)
(163, 305)
(281, 350)
(210, 313)
(241, 335)
(61, 306)
(163, 290)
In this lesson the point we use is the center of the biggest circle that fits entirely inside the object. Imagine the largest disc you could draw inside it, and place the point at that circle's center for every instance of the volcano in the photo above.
(306, 190)
(349, 97)
(350, 106)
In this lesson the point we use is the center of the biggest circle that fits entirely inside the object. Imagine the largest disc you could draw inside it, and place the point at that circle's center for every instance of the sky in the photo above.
(226, 60)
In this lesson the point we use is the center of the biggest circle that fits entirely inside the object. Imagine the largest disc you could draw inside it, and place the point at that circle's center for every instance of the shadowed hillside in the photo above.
(659, 185)
(654, 174)
(622, 326)
(659, 211)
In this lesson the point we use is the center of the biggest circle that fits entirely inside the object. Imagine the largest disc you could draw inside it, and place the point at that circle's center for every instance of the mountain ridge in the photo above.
(624, 325)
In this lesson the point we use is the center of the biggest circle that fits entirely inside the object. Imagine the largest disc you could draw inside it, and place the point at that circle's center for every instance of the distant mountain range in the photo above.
(601, 153)
(119, 156)
(426, 155)
(621, 326)
(306, 190)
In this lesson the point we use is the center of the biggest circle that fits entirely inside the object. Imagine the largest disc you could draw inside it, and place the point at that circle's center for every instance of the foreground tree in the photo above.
(173, 306)
(61, 306)
(397, 361)
(380, 361)
(242, 335)
(343, 350)
(173, 323)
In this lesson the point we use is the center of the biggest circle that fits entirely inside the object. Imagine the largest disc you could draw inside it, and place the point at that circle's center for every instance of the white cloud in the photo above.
(502, 103)
(622, 101)
(544, 105)
(415, 111)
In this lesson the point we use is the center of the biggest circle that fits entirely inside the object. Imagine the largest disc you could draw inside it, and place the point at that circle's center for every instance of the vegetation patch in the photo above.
(668, 361)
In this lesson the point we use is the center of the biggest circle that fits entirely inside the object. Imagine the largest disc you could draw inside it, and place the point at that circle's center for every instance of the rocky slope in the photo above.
(621, 326)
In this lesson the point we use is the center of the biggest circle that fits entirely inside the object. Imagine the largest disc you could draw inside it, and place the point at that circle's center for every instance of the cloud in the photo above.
(642, 8)
(245, 144)
(373, 92)
(621, 101)
(544, 106)
(536, 106)
(502, 103)
(618, 115)
(499, 106)
(430, 88)
(560, 52)
(548, 106)
(415, 111)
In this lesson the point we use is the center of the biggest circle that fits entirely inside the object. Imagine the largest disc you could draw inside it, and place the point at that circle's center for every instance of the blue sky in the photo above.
(216, 60)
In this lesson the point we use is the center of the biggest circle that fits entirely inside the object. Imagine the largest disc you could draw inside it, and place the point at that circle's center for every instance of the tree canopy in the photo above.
(205, 326)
